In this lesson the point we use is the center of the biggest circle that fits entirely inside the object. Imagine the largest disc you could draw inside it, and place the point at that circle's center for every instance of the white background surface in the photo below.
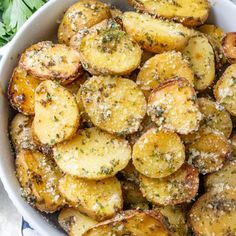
(10, 220)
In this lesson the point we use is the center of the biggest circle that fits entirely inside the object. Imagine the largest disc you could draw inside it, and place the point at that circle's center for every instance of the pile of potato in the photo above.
(125, 124)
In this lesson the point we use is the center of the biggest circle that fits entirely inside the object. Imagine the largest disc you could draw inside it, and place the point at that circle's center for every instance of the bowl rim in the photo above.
(4, 52)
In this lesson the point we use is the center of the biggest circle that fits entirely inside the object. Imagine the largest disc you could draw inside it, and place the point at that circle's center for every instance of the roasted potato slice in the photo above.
(215, 116)
(133, 222)
(223, 179)
(51, 123)
(116, 104)
(215, 36)
(208, 150)
(46, 60)
(82, 15)
(109, 51)
(214, 214)
(173, 106)
(188, 12)
(21, 91)
(162, 67)
(74, 222)
(92, 154)
(177, 188)
(97, 199)
(176, 217)
(133, 198)
(229, 47)
(20, 131)
(225, 90)
(155, 35)
(38, 176)
(201, 57)
(158, 154)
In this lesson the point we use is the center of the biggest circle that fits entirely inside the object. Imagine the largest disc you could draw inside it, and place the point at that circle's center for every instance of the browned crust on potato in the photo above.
(129, 214)
(182, 82)
(21, 91)
(186, 21)
(63, 78)
(229, 47)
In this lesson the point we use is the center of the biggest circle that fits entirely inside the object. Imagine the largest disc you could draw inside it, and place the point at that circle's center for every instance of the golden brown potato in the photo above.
(176, 216)
(133, 222)
(97, 199)
(114, 104)
(223, 179)
(133, 198)
(173, 106)
(53, 103)
(162, 67)
(74, 222)
(158, 154)
(21, 91)
(229, 48)
(46, 60)
(109, 51)
(82, 15)
(214, 214)
(208, 150)
(20, 131)
(177, 188)
(188, 12)
(215, 36)
(92, 154)
(155, 35)
(38, 176)
(201, 57)
(225, 90)
(215, 116)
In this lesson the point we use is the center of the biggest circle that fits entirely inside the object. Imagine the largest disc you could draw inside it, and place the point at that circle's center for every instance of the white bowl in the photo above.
(43, 26)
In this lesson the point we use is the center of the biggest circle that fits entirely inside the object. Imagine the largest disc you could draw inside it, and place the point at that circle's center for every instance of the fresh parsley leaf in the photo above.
(34, 5)
(14, 13)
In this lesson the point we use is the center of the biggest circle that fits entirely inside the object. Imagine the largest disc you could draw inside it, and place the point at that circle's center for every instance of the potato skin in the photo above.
(48, 61)
(172, 37)
(21, 91)
(175, 11)
(82, 15)
(136, 222)
(39, 176)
